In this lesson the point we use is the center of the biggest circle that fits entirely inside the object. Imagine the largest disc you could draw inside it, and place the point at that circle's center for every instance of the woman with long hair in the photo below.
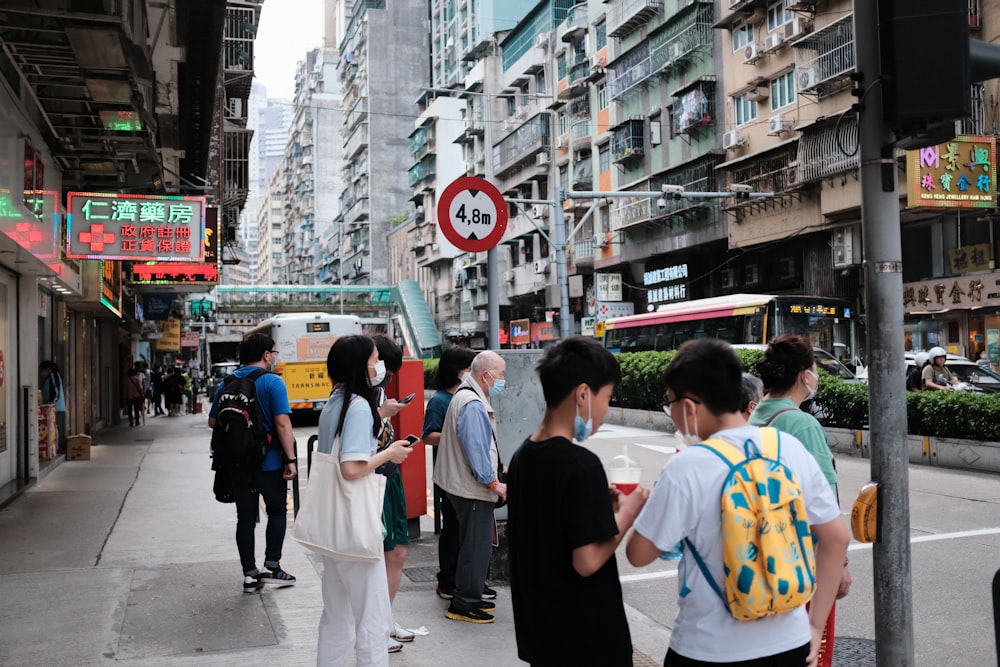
(788, 370)
(355, 594)
(455, 363)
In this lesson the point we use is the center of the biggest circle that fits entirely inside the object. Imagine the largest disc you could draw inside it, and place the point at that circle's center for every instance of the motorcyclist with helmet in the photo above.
(914, 379)
(936, 375)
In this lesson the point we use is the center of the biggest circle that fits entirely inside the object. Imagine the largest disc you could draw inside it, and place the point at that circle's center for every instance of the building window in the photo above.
(782, 90)
(540, 82)
(562, 122)
(602, 95)
(777, 16)
(604, 158)
(511, 105)
(561, 65)
(742, 36)
(601, 35)
(745, 109)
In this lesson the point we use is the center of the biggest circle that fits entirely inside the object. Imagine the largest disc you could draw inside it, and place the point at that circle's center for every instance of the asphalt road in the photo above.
(955, 551)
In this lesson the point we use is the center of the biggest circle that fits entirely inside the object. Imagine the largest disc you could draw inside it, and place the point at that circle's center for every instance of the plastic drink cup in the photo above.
(624, 474)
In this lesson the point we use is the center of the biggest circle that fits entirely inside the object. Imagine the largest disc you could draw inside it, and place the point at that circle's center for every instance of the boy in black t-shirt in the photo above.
(561, 526)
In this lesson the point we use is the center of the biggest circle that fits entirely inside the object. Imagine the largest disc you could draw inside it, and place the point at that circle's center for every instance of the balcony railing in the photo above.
(357, 141)
(627, 15)
(826, 57)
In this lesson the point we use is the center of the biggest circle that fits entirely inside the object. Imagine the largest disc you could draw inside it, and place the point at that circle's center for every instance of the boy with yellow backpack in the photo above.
(758, 525)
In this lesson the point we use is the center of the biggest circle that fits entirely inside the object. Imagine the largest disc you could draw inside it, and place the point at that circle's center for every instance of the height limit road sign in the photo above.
(472, 214)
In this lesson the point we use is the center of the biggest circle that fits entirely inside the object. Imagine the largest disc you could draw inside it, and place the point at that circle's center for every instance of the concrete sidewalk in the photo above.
(129, 557)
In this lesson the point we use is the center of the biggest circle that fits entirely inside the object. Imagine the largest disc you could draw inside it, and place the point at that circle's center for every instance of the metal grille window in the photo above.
(744, 109)
(782, 90)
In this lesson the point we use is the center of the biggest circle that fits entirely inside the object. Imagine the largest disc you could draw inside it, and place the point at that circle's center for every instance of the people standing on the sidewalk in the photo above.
(271, 481)
(54, 391)
(468, 471)
(562, 528)
(788, 370)
(173, 388)
(454, 365)
(188, 391)
(355, 593)
(134, 393)
(751, 394)
(156, 379)
(703, 398)
(394, 520)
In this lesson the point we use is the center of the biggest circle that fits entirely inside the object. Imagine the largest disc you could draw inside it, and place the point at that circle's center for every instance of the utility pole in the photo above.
(886, 389)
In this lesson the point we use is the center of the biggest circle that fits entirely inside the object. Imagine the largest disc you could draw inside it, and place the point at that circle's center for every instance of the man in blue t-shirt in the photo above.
(271, 481)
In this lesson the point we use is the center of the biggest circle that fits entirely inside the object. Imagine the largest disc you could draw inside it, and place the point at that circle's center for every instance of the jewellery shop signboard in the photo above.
(952, 293)
(961, 173)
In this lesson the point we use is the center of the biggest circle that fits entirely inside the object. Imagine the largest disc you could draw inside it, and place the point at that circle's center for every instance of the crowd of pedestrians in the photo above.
(565, 522)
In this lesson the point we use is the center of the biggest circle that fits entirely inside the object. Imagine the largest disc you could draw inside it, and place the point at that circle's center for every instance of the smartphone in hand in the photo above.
(406, 399)
(412, 439)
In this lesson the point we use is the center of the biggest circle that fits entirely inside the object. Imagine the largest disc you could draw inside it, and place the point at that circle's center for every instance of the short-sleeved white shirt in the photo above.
(685, 504)
(356, 441)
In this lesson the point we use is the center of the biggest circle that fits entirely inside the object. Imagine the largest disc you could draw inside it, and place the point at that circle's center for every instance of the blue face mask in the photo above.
(498, 386)
(583, 429)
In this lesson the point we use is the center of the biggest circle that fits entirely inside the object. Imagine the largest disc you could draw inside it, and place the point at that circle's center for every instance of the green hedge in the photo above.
(957, 414)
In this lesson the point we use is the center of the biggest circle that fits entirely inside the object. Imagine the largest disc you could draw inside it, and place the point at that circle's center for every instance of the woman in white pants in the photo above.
(355, 594)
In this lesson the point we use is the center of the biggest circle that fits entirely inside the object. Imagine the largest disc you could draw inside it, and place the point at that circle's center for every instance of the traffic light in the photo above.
(926, 80)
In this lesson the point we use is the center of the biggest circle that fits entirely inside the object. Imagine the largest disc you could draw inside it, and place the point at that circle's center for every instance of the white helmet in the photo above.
(920, 359)
(936, 352)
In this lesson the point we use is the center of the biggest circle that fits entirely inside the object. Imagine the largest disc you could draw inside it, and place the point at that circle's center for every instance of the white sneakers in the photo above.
(399, 633)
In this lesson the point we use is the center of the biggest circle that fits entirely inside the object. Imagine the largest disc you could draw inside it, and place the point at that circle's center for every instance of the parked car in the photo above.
(217, 374)
(824, 360)
(967, 372)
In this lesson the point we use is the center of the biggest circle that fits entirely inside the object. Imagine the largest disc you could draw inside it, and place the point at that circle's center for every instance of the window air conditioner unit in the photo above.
(751, 53)
(539, 211)
(846, 248)
(806, 79)
(541, 266)
(542, 159)
(773, 42)
(601, 240)
(732, 139)
(542, 41)
(561, 142)
(508, 125)
(734, 3)
(777, 124)
(597, 63)
(728, 278)
(508, 276)
(797, 27)
(676, 50)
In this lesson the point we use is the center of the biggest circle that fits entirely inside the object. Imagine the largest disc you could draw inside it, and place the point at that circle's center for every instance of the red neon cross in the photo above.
(97, 238)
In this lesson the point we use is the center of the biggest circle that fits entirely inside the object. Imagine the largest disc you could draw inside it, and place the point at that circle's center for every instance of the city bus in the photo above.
(303, 341)
(738, 319)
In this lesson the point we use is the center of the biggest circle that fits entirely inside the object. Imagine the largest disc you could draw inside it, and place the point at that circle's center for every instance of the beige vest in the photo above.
(451, 471)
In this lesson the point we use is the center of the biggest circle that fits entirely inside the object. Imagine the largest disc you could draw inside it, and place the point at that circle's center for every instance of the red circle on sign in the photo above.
(472, 188)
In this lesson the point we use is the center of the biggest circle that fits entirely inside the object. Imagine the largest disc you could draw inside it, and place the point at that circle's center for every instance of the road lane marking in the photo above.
(937, 537)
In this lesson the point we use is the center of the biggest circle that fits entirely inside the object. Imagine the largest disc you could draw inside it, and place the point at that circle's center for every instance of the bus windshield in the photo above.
(829, 323)
(303, 342)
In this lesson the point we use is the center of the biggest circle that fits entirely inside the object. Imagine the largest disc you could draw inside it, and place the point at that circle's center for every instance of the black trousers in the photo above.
(247, 490)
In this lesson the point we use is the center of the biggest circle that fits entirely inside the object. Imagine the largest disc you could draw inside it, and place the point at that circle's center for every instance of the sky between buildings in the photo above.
(288, 30)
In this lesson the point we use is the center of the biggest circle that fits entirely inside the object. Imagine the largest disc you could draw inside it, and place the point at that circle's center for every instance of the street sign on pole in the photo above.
(472, 214)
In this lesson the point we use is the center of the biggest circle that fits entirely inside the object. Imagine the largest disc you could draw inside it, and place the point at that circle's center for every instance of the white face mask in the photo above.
(379, 373)
(583, 429)
(812, 390)
(690, 438)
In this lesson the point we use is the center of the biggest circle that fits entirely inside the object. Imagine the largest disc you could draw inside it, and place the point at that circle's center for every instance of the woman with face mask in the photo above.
(788, 369)
(355, 593)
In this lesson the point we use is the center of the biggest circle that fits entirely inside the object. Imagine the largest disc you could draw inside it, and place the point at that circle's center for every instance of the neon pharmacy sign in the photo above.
(135, 227)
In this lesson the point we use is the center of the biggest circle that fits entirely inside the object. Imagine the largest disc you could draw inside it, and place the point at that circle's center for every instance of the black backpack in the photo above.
(914, 379)
(239, 441)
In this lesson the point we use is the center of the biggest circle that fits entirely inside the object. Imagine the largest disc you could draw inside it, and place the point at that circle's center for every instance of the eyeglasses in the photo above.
(274, 352)
(666, 404)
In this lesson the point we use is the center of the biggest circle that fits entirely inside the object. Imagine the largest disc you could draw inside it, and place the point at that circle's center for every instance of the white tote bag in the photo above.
(341, 518)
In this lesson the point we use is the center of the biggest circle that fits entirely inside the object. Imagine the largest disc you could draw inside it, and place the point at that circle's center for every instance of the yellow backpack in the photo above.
(767, 548)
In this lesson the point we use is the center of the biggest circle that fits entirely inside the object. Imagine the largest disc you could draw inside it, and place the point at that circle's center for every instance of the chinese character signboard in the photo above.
(967, 259)
(661, 292)
(168, 273)
(520, 332)
(170, 335)
(609, 286)
(950, 293)
(609, 309)
(136, 227)
(958, 174)
(111, 286)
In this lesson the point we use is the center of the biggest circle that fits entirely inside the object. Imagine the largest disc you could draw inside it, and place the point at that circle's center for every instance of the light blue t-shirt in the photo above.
(356, 440)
